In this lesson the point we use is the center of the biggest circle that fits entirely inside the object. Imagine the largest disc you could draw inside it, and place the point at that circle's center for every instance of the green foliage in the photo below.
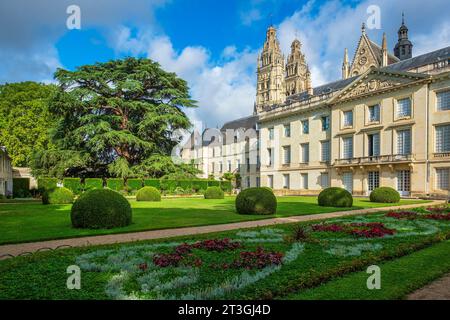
(115, 184)
(213, 183)
(93, 183)
(185, 184)
(214, 193)
(256, 201)
(101, 209)
(134, 184)
(335, 197)
(148, 194)
(47, 183)
(129, 108)
(152, 183)
(58, 196)
(21, 187)
(385, 195)
(226, 186)
(24, 120)
(73, 184)
(202, 184)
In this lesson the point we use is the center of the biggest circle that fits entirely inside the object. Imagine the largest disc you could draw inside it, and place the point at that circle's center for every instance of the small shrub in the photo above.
(101, 208)
(335, 197)
(385, 195)
(58, 196)
(214, 193)
(256, 201)
(47, 184)
(196, 187)
(148, 194)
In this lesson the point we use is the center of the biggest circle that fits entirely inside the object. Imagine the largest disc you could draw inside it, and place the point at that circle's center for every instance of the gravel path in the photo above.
(12, 250)
(437, 290)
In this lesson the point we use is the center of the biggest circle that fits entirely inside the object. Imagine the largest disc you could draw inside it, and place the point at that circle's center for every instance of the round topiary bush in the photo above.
(57, 196)
(385, 195)
(148, 194)
(256, 201)
(214, 193)
(335, 197)
(101, 208)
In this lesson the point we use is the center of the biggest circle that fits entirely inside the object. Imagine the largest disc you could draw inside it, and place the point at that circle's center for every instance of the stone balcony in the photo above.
(371, 160)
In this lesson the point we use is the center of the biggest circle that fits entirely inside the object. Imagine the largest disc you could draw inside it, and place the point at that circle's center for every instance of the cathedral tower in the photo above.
(296, 70)
(270, 70)
(403, 48)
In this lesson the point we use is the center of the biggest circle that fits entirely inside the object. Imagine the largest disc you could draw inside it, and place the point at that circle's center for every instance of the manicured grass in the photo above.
(114, 271)
(398, 277)
(25, 222)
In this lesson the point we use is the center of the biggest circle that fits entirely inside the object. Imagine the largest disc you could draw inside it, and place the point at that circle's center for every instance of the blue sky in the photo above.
(212, 44)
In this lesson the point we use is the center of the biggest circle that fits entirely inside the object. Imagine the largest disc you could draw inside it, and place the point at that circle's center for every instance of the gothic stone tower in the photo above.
(270, 70)
(297, 70)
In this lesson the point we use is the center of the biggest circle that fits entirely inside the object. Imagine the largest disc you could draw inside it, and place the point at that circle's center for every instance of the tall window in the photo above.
(443, 100)
(305, 126)
(271, 156)
(347, 181)
(248, 164)
(373, 180)
(305, 181)
(271, 133)
(324, 180)
(212, 167)
(304, 152)
(248, 182)
(348, 118)
(404, 107)
(220, 167)
(442, 178)
(287, 155)
(229, 165)
(403, 182)
(347, 147)
(270, 181)
(258, 182)
(443, 138)
(404, 142)
(238, 165)
(287, 130)
(374, 113)
(325, 151)
(325, 123)
(286, 181)
(374, 144)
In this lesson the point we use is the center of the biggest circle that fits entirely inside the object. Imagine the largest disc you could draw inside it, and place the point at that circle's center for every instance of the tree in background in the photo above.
(24, 120)
(116, 118)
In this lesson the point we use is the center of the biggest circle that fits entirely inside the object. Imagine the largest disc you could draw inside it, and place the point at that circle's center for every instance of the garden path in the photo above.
(436, 290)
(12, 250)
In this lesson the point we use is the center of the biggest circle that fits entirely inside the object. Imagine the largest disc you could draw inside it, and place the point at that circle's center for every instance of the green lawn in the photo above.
(114, 271)
(398, 277)
(25, 222)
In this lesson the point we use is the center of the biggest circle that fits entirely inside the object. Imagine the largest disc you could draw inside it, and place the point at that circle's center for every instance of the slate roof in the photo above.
(424, 59)
(242, 123)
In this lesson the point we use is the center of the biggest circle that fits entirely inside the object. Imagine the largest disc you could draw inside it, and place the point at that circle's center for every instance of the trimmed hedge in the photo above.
(134, 184)
(213, 183)
(148, 194)
(73, 184)
(21, 187)
(335, 197)
(47, 183)
(58, 196)
(101, 209)
(152, 183)
(385, 195)
(214, 193)
(93, 183)
(256, 201)
(226, 186)
(115, 184)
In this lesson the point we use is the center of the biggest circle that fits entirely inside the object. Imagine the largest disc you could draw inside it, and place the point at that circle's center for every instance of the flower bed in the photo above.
(362, 230)
(408, 215)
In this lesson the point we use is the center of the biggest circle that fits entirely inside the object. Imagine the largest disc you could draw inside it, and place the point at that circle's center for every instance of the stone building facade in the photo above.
(385, 123)
(6, 184)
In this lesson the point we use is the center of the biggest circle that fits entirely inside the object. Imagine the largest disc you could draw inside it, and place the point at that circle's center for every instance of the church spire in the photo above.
(403, 48)
(296, 69)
